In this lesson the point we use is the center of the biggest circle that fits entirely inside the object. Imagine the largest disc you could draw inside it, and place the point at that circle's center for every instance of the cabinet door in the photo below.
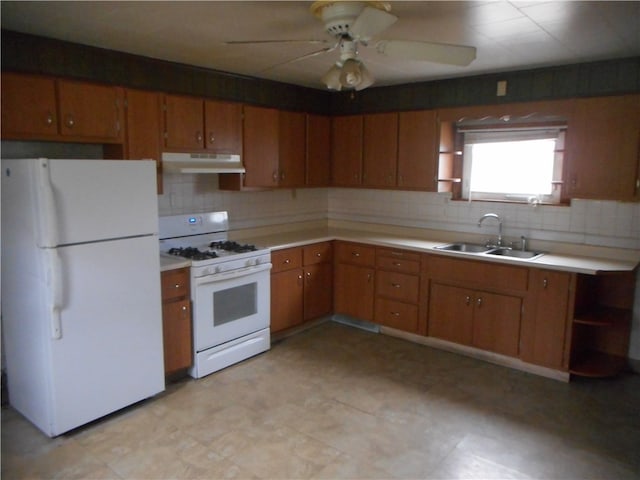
(346, 150)
(417, 150)
(183, 123)
(318, 290)
(286, 299)
(318, 171)
(223, 127)
(28, 107)
(496, 323)
(90, 111)
(380, 150)
(354, 287)
(602, 144)
(451, 314)
(292, 147)
(545, 325)
(176, 334)
(260, 146)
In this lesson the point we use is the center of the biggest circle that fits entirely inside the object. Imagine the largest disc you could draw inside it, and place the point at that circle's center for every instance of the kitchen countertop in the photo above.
(554, 261)
(171, 262)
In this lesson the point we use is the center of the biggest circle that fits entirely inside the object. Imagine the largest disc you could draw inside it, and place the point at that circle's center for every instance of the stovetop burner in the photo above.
(192, 253)
(231, 246)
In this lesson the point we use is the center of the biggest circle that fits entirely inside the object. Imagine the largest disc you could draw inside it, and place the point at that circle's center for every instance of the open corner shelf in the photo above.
(597, 364)
(602, 316)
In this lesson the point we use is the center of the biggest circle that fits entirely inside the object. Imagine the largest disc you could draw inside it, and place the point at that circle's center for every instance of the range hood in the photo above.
(201, 163)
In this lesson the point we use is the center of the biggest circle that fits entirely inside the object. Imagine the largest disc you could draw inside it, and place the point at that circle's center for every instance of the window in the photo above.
(521, 164)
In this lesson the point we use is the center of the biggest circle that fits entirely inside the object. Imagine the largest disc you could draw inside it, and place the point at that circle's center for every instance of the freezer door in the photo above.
(94, 200)
(109, 354)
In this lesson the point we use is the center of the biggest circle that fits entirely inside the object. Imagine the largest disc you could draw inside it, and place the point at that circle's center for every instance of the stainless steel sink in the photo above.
(464, 247)
(507, 252)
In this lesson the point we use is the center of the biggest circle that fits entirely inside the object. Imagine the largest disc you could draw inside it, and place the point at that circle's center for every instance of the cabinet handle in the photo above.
(184, 309)
(395, 285)
(467, 300)
(70, 122)
(309, 274)
(211, 138)
(479, 302)
(275, 176)
(355, 254)
(369, 277)
(318, 255)
(397, 264)
(395, 314)
(545, 283)
(198, 136)
(49, 119)
(282, 176)
(177, 285)
(287, 261)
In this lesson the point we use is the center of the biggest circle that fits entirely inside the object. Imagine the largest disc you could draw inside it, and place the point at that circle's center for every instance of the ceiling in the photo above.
(509, 35)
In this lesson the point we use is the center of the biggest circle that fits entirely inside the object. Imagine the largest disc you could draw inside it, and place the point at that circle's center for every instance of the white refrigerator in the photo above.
(81, 306)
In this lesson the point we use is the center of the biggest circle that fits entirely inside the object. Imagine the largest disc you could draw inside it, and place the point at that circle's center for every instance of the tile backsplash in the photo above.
(586, 222)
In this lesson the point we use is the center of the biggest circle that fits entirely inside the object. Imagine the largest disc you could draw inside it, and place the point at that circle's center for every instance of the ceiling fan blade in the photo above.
(250, 42)
(302, 57)
(370, 22)
(429, 52)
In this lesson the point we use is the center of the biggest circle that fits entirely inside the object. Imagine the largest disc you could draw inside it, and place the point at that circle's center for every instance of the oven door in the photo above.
(230, 305)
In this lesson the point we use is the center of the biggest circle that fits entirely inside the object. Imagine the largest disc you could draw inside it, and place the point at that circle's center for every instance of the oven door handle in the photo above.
(241, 272)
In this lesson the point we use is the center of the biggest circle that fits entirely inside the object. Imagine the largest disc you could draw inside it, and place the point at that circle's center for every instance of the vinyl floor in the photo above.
(339, 402)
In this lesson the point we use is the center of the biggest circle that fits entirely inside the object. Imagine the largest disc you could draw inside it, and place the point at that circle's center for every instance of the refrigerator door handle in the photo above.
(48, 218)
(56, 287)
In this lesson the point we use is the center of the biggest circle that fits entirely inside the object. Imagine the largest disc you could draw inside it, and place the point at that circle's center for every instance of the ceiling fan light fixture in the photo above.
(366, 78)
(332, 78)
(350, 76)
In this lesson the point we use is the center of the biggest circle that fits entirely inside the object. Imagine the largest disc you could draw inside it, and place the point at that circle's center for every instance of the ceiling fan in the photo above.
(355, 23)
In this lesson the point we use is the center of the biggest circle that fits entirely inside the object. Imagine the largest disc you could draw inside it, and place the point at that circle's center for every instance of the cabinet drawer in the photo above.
(484, 275)
(398, 265)
(286, 259)
(398, 286)
(175, 284)
(356, 254)
(398, 254)
(317, 253)
(402, 316)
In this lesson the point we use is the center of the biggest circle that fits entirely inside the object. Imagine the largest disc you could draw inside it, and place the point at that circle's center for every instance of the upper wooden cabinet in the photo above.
(195, 124)
(42, 108)
(346, 150)
(380, 150)
(143, 127)
(603, 147)
(292, 149)
(90, 111)
(29, 107)
(418, 150)
(223, 127)
(183, 123)
(260, 146)
(318, 164)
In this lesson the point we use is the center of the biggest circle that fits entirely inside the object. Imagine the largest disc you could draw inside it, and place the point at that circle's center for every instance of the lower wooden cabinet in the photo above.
(176, 320)
(301, 285)
(545, 320)
(354, 280)
(397, 289)
(479, 319)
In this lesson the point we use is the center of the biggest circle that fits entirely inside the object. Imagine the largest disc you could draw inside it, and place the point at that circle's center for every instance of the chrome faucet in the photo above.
(497, 217)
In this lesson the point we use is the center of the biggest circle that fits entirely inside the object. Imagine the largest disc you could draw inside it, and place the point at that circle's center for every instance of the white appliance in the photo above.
(230, 289)
(81, 306)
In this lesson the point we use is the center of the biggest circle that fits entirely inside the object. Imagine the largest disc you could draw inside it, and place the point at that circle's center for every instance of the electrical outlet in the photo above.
(501, 89)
